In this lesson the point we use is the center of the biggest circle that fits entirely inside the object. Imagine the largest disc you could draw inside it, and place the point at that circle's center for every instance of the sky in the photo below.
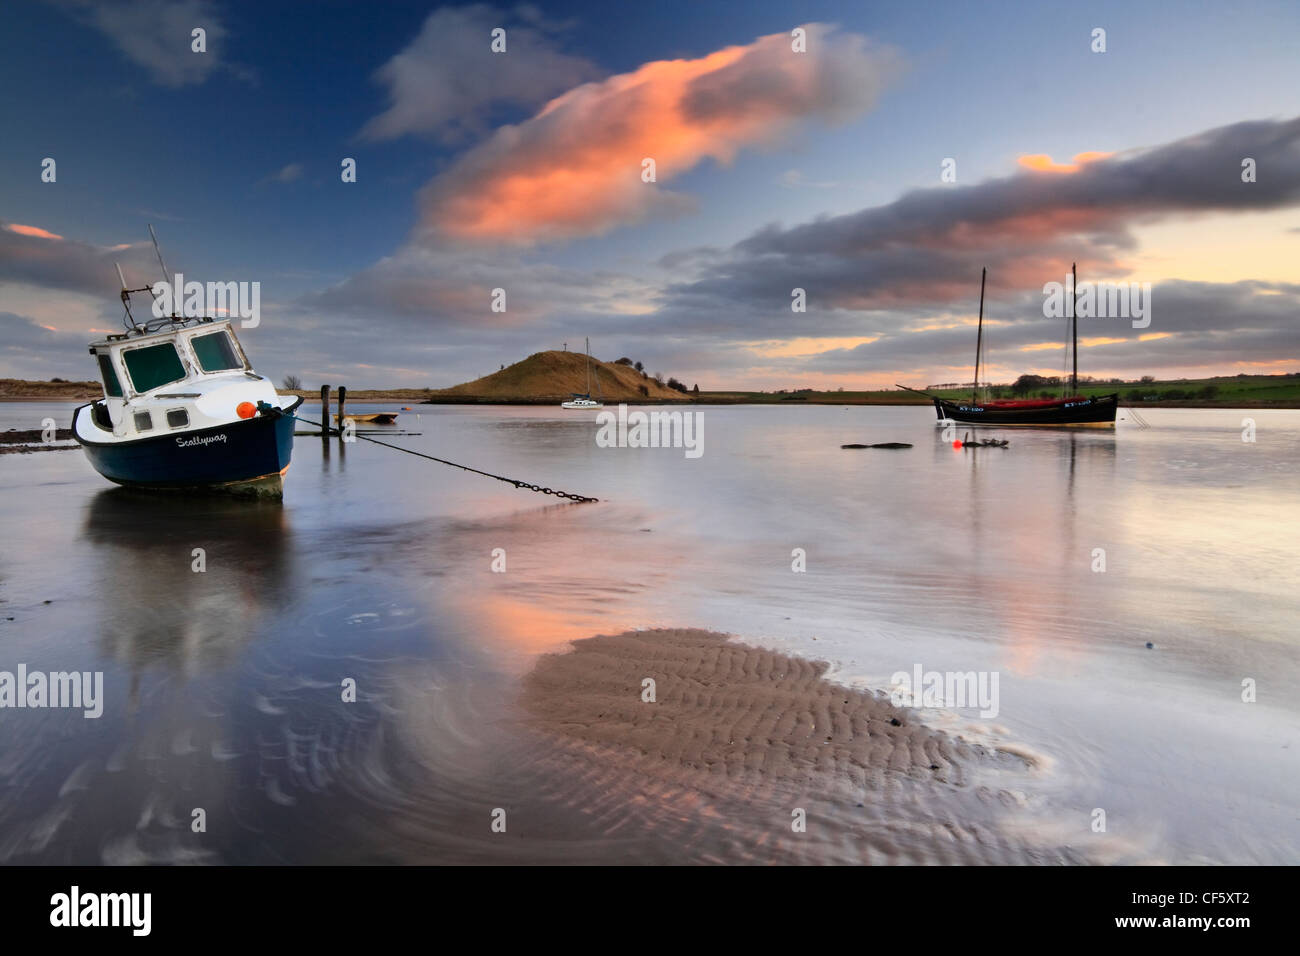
(877, 156)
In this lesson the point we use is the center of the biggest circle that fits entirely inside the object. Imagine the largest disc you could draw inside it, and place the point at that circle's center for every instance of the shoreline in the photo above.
(384, 398)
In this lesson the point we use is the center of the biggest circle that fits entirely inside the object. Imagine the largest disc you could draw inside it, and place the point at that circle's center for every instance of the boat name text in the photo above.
(205, 440)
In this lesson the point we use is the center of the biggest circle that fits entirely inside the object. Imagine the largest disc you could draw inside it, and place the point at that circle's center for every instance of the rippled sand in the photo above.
(739, 739)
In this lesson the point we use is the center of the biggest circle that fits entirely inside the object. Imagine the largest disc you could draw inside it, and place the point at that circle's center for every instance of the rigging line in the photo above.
(486, 474)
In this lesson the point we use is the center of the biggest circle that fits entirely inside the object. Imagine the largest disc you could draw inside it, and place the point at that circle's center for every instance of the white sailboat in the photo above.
(584, 399)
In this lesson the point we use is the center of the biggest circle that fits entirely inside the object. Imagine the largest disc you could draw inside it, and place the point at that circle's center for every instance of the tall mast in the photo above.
(979, 341)
(587, 342)
(1074, 329)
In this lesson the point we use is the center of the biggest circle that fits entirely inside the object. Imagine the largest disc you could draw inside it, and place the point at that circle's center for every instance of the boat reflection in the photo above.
(185, 583)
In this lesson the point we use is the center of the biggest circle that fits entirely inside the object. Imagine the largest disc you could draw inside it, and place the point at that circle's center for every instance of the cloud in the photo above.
(34, 231)
(42, 259)
(1041, 162)
(1193, 324)
(445, 82)
(794, 179)
(156, 34)
(19, 332)
(926, 249)
(426, 289)
(288, 174)
(31, 350)
(575, 168)
(904, 275)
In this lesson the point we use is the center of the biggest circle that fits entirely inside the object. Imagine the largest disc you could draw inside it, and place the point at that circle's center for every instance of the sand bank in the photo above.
(739, 740)
(727, 709)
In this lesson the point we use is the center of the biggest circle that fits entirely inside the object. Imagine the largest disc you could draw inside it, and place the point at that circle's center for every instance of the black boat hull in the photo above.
(249, 456)
(1094, 412)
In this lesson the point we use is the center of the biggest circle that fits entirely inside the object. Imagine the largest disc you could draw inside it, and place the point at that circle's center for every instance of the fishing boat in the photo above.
(584, 399)
(1069, 411)
(183, 410)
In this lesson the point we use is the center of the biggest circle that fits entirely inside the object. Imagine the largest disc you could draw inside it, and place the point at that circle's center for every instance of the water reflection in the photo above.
(186, 582)
(223, 686)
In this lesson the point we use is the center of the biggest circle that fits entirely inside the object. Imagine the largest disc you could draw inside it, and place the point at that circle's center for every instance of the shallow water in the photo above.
(222, 688)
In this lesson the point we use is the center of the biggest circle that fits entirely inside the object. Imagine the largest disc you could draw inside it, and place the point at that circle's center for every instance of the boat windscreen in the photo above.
(112, 387)
(153, 365)
(215, 352)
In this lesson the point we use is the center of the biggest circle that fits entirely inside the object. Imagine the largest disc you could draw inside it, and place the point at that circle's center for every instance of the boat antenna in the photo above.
(979, 341)
(158, 253)
(125, 293)
(1074, 329)
(126, 297)
(162, 265)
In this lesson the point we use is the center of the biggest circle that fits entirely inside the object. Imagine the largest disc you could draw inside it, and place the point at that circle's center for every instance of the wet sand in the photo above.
(725, 709)
(740, 739)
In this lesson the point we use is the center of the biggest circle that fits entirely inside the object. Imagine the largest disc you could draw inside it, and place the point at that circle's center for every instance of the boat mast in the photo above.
(1074, 328)
(587, 342)
(979, 341)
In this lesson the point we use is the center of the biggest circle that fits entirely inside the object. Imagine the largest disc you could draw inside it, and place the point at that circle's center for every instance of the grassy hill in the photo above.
(553, 377)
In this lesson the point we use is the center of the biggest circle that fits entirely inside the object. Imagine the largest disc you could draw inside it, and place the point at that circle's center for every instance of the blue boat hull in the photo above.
(249, 456)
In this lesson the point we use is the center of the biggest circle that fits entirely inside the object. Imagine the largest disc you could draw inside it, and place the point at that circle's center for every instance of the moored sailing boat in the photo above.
(1074, 410)
(584, 399)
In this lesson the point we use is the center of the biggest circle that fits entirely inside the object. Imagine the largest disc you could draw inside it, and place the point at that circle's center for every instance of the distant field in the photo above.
(1245, 391)
(1281, 391)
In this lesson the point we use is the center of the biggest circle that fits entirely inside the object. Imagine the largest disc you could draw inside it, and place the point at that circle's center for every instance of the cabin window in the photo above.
(153, 365)
(215, 352)
(177, 417)
(112, 387)
(143, 421)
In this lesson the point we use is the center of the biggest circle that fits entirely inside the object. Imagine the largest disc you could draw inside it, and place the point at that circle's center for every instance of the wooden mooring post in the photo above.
(324, 411)
(343, 397)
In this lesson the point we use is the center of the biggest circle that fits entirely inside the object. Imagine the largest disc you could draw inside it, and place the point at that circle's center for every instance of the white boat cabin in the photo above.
(190, 376)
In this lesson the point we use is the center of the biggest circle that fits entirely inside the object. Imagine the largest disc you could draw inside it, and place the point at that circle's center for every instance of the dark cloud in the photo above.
(1192, 323)
(29, 350)
(448, 79)
(156, 35)
(924, 248)
(71, 265)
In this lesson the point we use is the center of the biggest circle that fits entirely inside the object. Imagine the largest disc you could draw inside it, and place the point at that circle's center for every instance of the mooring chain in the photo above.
(486, 474)
(544, 491)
